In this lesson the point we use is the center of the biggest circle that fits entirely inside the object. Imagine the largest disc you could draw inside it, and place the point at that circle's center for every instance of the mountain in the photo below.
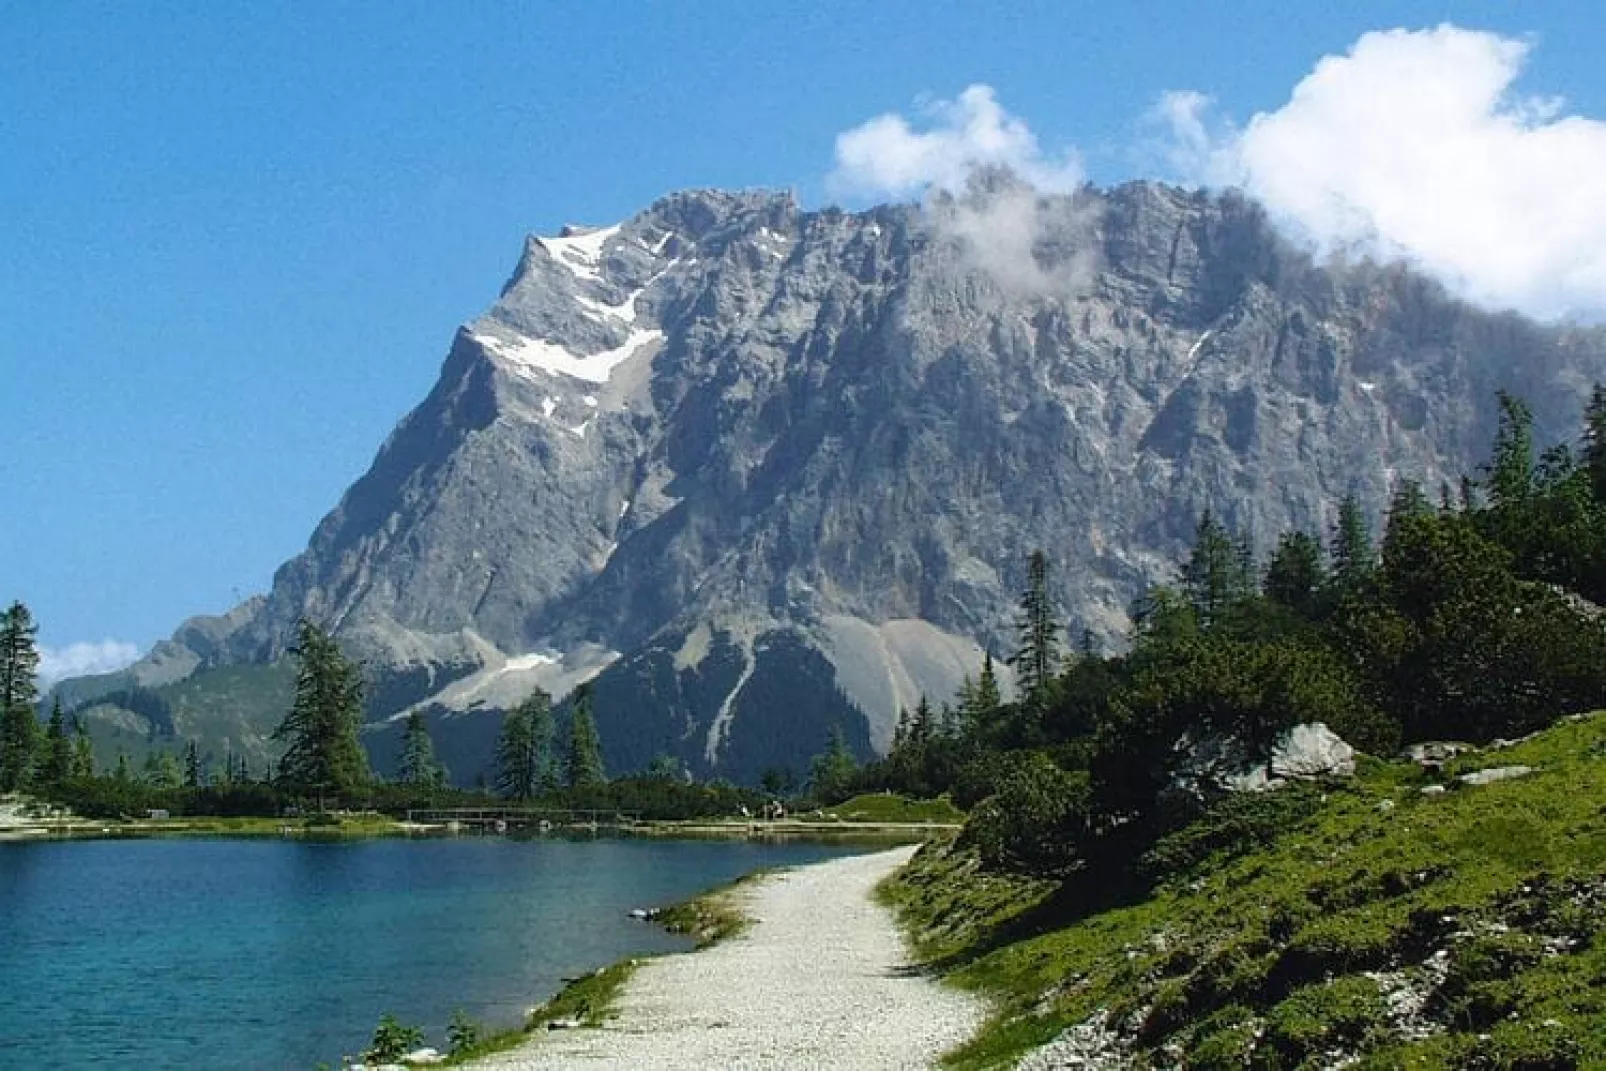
(758, 471)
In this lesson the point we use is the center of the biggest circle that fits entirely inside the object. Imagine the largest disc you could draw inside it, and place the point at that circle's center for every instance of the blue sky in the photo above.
(235, 239)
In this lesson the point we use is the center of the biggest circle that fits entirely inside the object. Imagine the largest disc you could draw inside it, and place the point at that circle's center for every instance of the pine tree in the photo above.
(193, 777)
(1294, 577)
(831, 772)
(1594, 454)
(418, 763)
(524, 751)
(1216, 577)
(322, 749)
(1037, 660)
(19, 694)
(1511, 470)
(58, 756)
(583, 765)
(1354, 561)
(83, 752)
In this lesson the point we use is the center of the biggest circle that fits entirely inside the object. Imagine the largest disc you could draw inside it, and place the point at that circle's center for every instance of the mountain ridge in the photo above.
(692, 454)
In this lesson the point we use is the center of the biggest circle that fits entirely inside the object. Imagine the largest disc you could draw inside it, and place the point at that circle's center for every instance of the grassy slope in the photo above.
(1486, 906)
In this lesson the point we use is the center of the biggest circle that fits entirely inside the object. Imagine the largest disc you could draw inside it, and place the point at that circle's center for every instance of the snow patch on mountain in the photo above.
(533, 358)
(579, 250)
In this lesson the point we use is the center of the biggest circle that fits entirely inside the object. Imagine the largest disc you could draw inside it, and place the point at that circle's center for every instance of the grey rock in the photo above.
(732, 442)
(1493, 774)
(1310, 751)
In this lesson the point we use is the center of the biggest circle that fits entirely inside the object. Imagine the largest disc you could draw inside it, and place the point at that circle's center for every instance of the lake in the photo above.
(284, 953)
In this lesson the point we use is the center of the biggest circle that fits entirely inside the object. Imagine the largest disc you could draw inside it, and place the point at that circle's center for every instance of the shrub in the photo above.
(462, 1033)
(392, 1040)
(1036, 819)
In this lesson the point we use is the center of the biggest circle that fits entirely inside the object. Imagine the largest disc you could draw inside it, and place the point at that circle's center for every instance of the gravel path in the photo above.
(818, 981)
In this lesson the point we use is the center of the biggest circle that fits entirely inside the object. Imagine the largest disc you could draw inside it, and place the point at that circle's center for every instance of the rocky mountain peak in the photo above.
(766, 469)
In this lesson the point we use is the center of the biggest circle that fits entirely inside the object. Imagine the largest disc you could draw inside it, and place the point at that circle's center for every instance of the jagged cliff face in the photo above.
(768, 470)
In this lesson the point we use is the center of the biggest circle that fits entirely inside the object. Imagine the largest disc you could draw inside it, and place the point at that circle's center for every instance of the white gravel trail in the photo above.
(820, 980)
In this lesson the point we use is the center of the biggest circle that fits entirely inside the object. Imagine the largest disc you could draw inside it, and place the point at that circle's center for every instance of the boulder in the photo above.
(1312, 750)
(1497, 773)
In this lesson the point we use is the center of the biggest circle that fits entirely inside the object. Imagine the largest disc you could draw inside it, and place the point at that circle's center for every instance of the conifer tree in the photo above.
(1354, 560)
(418, 764)
(193, 776)
(1294, 577)
(1037, 660)
(1595, 443)
(831, 772)
(322, 749)
(1216, 577)
(583, 764)
(83, 752)
(524, 750)
(19, 694)
(1511, 469)
(58, 749)
(514, 778)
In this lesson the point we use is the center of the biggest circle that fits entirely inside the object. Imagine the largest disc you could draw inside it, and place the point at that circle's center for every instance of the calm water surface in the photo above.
(282, 954)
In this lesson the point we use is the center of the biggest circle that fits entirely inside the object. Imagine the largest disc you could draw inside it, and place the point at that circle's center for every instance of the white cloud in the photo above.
(1414, 144)
(981, 173)
(886, 157)
(78, 659)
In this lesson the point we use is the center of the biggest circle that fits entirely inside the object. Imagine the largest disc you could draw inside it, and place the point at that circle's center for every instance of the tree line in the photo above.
(1475, 615)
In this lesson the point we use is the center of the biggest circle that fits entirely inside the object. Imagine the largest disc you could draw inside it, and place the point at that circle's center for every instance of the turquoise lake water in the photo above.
(283, 954)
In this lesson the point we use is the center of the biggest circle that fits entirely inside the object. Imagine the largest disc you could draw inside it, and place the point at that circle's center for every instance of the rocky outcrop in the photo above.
(765, 470)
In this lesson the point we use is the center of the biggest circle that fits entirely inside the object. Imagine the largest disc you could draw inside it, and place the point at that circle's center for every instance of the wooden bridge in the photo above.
(499, 819)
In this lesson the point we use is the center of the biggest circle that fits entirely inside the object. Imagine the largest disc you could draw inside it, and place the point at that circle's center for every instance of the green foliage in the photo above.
(1295, 576)
(1038, 657)
(582, 766)
(463, 1033)
(1035, 820)
(56, 766)
(392, 1040)
(19, 692)
(320, 731)
(1298, 916)
(418, 764)
(831, 774)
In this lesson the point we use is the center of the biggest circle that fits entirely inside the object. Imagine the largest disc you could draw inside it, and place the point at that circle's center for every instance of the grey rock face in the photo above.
(729, 419)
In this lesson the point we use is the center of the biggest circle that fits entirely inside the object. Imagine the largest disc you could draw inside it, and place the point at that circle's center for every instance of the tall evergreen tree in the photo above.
(1294, 577)
(1217, 575)
(1511, 469)
(831, 772)
(57, 767)
(524, 750)
(583, 764)
(1354, 560)
(418, 764)
(1037, 660)
(320, 730)
(19, 694)
(83, 752)
(194, 777)
(1594, 449)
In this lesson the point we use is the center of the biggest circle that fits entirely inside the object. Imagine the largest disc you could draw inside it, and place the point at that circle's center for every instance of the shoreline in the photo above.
(255, 828)
(813, 971)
